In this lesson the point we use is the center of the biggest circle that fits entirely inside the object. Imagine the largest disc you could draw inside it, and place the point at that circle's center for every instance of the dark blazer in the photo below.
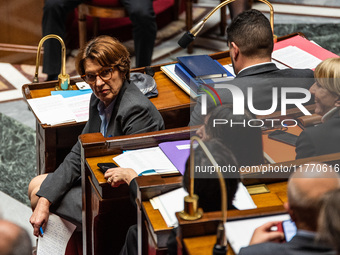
(319, 140)
(133, 113)
(299, 245)
(262, 78)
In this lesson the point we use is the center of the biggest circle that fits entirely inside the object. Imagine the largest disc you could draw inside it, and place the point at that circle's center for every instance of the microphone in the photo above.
(191, 210)
(186, 39)
(190, 36)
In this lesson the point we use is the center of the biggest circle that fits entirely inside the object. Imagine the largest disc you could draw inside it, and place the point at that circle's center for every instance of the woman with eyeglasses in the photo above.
(324, 138)
(116, 108)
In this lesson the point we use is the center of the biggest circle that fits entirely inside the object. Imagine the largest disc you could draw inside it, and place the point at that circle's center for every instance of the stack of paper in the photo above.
(52, 110)
(145, 161)
(294, 57)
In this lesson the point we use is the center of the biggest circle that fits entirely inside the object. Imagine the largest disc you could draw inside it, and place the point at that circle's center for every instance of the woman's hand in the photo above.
(40, 216)
(119, 175)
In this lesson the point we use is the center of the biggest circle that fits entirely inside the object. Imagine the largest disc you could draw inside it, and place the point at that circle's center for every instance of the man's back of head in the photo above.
(251, 32)
(14, 240)
(306, 187)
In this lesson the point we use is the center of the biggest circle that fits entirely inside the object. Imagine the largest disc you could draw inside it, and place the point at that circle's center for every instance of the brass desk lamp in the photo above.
(63, 77)
(189, 36)
(191, 210)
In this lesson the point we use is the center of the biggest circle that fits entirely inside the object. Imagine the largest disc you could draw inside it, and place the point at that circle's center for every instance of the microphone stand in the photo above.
(189, 36)
(191, 210)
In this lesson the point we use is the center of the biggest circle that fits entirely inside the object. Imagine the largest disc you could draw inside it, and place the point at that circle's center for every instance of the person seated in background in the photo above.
(206, 186)
(117, 107)
(244, 141)
(328, 223)
(141, 14)
(324, 138)
(305, 190)
(238, 6)
(14, 240)
(250, 41)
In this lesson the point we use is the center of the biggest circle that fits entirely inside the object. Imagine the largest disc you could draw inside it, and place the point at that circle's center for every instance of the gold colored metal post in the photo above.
(191, 210)
(197, 28)
(63, 77)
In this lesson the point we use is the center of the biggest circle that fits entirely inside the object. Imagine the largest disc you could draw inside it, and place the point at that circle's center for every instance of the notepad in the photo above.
(56, 236)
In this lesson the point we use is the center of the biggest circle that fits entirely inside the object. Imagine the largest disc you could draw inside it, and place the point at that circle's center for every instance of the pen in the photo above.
(41, 231)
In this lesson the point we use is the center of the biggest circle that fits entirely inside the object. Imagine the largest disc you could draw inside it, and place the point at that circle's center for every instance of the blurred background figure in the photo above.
(325, 138)
(14, 240)
(239, 6)
(141, 14)
(245, 142)
(329, 224)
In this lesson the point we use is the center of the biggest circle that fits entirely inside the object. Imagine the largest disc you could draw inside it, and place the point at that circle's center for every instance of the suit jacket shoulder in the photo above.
(319, 140)
(299, 245)
(257, 83)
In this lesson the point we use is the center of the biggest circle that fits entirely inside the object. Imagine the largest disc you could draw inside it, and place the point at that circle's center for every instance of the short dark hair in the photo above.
(207, 185)
(252, 33)
(244, 141)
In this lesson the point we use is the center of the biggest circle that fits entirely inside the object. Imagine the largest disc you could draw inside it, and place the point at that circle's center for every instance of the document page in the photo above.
(171, 202)
(56, 236)
(239, 232)
(145, 159)
(294, 57)
(51, 110)
(79, 105)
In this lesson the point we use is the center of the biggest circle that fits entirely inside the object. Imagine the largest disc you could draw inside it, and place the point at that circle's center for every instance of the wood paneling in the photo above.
(20, 24)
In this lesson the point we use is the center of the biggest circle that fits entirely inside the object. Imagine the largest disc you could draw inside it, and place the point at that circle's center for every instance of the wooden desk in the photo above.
(108, 212)
(54, 142)
(100, 201)
(200, 235)
(157, 231)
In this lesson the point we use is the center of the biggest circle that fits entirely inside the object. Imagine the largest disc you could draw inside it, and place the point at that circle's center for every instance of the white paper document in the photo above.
(79, 105)
(171, 202)
(146, 159)
(294, 57)
(239, 232)
(51, 110)
(56, 236)
(56, 109)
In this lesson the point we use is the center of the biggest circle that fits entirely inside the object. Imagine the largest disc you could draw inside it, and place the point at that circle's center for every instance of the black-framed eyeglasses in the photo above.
(105, 74)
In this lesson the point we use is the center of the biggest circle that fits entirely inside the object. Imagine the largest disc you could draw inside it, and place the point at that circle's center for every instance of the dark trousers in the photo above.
(55, 14)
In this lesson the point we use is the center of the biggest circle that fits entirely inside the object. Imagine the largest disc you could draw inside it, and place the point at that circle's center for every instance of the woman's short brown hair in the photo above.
(107, 51)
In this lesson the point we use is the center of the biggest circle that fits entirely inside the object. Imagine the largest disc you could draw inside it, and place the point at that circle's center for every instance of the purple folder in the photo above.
(177, 152)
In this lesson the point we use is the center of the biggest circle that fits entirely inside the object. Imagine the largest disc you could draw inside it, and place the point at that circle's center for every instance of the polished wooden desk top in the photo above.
(170, 95)
(276, 196)
(279, 151)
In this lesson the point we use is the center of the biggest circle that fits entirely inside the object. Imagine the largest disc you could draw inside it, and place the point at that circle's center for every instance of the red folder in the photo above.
(306, 45)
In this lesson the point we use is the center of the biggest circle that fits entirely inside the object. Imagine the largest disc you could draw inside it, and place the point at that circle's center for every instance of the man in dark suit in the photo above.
(306, 187)
(55, 13)
(250, 41)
